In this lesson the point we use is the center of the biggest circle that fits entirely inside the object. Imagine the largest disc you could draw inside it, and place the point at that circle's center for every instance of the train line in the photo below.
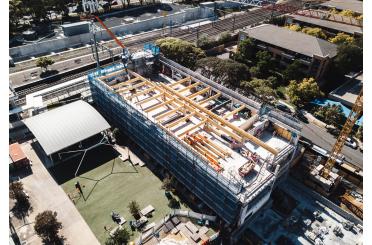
(188, 34)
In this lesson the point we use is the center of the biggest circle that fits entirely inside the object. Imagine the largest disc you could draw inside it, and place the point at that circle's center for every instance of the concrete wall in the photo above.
(133, 28)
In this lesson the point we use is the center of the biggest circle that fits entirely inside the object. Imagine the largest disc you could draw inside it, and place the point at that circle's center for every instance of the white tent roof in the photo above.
(66, 125)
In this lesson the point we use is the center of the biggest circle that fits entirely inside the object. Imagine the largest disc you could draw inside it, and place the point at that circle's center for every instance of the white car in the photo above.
(349, 142)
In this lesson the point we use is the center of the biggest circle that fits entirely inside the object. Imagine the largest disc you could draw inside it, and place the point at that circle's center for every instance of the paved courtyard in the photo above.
(46, 194)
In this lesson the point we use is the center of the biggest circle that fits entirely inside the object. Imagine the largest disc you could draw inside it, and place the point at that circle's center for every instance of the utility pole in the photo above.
(93, 28)
(197, 35)
(233, 22)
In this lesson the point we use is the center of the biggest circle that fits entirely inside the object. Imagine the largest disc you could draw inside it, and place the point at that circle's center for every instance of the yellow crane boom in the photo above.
(354, 114)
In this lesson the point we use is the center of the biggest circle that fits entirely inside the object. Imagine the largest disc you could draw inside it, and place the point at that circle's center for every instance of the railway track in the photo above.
(189, 34)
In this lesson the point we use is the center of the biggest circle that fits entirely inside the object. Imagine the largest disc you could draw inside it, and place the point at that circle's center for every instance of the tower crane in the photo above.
(325, 176)
(354, 114)
(125, 57)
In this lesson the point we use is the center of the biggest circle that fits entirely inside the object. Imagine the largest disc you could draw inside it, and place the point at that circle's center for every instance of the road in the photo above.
(322, 138)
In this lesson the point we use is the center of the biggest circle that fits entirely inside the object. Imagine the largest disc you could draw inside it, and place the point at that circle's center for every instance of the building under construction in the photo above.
(226, 149)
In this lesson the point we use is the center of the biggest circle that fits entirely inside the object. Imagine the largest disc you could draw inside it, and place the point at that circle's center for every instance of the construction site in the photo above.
(226, 149)
(238, 161)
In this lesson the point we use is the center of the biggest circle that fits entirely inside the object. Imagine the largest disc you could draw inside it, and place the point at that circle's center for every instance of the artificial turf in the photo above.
(110, 187)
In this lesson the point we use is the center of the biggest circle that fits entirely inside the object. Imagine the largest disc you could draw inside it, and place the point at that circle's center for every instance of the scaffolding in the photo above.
(190, 156)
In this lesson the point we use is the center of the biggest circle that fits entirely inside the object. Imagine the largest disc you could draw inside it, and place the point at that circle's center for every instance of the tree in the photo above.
(224, 37)
(359, 133)
(15, 190)
(278, 20)
(347, 13)
(293, 71)
(342, 38)
(120, 237)
(17, 193)
(61, 6)
(263, 88)
(16, 12)
(204, 42)
(128, 3)
(294, 27)
(349, 58)
(303, 92)
(134, 209)
(246, 51)
(180, 51)
(169, 183)
(44, 62)
(227, 72)
(316, 32)
(173, 203)
(47, 226)
(265, 62)
(331, 114)
(37, 8)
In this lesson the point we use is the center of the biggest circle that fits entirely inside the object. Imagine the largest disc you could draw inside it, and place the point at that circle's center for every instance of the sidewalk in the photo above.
(46, 194)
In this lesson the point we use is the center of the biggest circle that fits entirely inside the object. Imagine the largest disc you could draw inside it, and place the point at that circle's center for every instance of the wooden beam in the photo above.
(189, 87)
(192, 128)
(220, 149)
(122, 90)
(141, 93)
(196, 105)
(191, 96)
(233, 112)
(226, 131)
(114, 74)
(209, 98)
(183, 118)
(222, 121)
(186, 79)
(159, 105)
(115, 86)
(150, 98)
(157, 118)
(205, 151)
(208, 144)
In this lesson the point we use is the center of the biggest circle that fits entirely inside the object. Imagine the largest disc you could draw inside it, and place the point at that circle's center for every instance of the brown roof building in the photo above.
(16, 155)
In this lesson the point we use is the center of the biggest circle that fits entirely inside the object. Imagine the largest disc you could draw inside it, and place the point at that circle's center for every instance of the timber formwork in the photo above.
(174, 155)
(188, 164)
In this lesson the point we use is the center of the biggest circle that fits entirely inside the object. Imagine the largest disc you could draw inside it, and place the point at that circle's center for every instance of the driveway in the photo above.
(46, 194)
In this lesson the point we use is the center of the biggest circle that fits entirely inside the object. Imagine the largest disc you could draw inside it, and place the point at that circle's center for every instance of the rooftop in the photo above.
(348, 92)
(353, 5)
(228, 136)
(291, 40)
(300, 225)
(66, 125)
(351, 29)
(15, 152)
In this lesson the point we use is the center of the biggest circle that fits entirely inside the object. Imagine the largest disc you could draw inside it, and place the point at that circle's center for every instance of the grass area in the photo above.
(110, 187)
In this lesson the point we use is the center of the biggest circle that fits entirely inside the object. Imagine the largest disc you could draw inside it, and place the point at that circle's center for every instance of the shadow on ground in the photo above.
(65, 171)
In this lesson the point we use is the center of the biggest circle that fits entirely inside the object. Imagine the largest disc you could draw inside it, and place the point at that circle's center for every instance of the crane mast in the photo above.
(354, 114)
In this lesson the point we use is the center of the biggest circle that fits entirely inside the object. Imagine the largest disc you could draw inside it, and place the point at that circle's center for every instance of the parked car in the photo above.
(332, 130)
(298, 114)
(283, 108)
(351, 143)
